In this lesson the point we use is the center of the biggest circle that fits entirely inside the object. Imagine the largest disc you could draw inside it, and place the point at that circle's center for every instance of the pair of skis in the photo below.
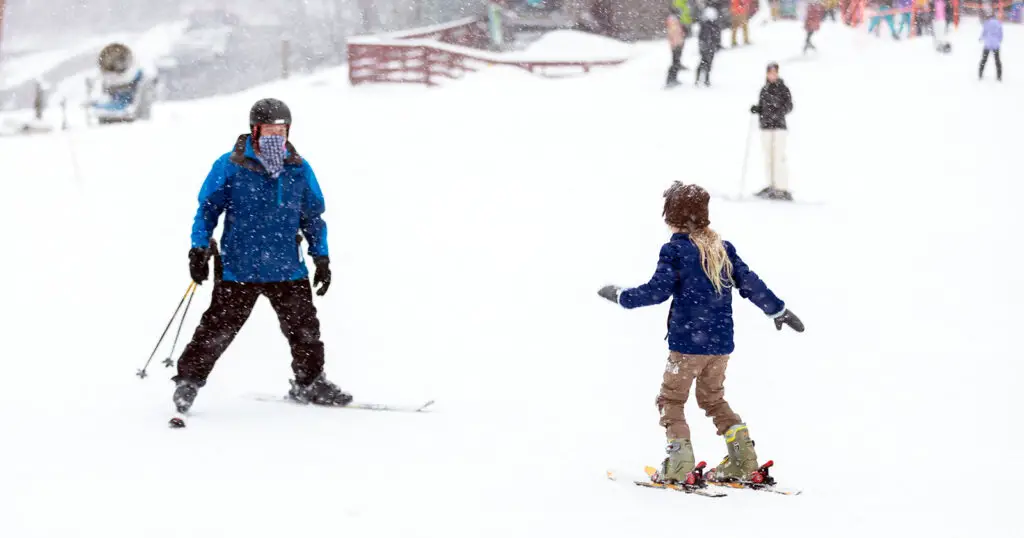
(698, 484)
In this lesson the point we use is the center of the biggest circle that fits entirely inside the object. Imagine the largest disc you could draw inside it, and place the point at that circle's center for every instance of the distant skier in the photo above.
(831, 6)
(699, 271)
(740, 11)
(269, 193)
(950, 12)
(906, 20)
(812, 23)
(676, 39)
(992, 38)
(773, 105)
(924, 17)
(710, 39)
(942, 45)
(877, 18)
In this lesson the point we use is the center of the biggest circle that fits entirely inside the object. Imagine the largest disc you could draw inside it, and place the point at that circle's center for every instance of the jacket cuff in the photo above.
(779, 313)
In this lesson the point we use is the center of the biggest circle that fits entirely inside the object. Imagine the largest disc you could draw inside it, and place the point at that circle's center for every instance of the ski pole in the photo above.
(191, 290)
(746, 155)
(169, 361)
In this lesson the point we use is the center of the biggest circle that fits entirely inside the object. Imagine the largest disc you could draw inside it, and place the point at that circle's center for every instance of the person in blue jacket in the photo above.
(268, 194)
(698, 271)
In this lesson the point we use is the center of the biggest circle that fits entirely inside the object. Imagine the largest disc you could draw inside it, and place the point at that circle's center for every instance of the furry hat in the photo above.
(686, 207)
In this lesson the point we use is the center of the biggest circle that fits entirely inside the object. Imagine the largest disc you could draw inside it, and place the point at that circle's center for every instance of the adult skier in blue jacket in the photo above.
(698, 271)
(268, 194)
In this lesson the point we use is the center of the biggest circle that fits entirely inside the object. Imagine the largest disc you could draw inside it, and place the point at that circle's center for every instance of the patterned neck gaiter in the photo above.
(271, 155)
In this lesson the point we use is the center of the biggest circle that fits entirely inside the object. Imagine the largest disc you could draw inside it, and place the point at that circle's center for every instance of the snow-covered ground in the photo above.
(470, 229)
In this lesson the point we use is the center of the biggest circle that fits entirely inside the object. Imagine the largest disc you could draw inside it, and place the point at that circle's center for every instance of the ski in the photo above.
(364, 406)
(755, 487)
(761, 480)
(754, 198)
(683, 488)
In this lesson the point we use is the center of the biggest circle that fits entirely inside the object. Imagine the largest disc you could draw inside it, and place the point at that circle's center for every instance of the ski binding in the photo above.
(694, 483)
(760, 480)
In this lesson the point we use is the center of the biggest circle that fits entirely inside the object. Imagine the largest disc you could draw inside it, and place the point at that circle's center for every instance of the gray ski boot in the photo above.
(185, 392)
(319, 392)
(741, 461)
(679, 463)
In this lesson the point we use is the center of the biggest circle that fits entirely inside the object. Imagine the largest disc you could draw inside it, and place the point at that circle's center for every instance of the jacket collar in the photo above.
(245, 156)
(680, 237)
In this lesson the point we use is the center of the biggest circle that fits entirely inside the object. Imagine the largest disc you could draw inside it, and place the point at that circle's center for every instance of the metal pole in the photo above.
(285, 53)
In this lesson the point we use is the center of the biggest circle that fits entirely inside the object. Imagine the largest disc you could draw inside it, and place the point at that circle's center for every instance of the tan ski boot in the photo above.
(679, 463)
(741, 461)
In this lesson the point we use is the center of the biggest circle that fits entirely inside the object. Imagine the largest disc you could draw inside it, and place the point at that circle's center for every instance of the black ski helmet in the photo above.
(272, 111)
(268, 111)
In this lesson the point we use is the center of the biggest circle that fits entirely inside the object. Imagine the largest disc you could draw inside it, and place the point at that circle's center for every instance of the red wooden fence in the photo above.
(424, 55)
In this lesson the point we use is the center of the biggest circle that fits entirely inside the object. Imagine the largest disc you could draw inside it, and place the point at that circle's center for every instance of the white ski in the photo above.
(365, 406)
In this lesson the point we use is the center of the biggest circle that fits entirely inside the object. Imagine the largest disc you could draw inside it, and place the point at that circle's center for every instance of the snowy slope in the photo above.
(470, 228)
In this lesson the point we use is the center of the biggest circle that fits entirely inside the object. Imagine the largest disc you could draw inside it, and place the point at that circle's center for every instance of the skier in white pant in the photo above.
(775, 102)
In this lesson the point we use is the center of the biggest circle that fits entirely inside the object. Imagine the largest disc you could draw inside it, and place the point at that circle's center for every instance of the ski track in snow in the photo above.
(470, 228)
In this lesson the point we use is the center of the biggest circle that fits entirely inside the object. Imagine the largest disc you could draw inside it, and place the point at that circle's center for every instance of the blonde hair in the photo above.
(713, 258)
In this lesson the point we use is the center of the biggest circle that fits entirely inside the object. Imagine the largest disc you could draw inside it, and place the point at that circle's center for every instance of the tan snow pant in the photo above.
(680, 372)
(776, 167)
(740, 22)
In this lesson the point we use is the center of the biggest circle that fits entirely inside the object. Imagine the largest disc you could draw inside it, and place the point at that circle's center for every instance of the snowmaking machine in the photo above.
(126, 91)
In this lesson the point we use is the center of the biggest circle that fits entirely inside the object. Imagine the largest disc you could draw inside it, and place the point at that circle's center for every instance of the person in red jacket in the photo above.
(815, 13)
(740, 10)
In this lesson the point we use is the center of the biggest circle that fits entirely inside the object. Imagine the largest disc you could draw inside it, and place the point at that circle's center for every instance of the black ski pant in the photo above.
(807, 43)
(673, 70)
(707, 57)
(984, 60)
(229, 309)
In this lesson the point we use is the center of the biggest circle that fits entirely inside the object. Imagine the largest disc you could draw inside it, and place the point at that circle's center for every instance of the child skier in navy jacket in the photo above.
(698, 271)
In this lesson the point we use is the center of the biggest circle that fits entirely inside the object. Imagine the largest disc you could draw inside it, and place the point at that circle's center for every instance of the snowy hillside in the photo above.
(470, 227)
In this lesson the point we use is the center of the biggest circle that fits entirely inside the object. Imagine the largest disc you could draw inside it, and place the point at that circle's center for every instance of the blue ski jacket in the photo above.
(262, 215)
(699, 320)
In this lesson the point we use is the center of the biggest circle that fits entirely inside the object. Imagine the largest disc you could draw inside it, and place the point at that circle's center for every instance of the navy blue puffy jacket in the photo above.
(700, 320)
(262, 215)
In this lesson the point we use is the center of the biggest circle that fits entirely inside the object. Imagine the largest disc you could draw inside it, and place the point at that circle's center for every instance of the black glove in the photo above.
(789, 318)
(756, 109)
(199, 264)
(611, 293)
(322, 274)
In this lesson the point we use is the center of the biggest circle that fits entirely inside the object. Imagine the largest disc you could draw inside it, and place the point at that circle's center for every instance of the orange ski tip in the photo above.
(650, 470)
